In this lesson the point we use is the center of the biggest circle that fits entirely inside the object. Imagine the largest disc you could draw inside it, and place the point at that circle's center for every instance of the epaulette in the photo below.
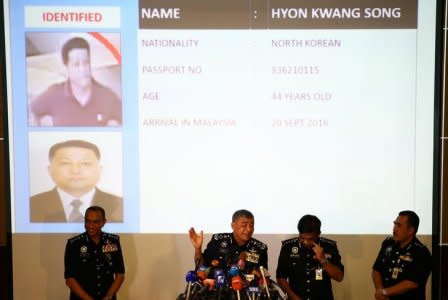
(75, 238)
(419, 244)
(110, 236)
(221, 236)
(327, 241)
(290, 241)
(258, 243)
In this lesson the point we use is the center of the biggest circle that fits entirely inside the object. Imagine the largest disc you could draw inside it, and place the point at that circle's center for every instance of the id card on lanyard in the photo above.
(319, 274)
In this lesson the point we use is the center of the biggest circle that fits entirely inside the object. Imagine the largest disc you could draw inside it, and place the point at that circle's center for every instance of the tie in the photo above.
(75, 215)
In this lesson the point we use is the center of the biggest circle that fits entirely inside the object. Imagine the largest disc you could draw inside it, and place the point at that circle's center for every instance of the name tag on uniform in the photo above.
(319, 274)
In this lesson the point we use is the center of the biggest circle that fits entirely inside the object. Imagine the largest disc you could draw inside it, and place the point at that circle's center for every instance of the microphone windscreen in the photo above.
(237, 283)
(234, 270)
(191, 276)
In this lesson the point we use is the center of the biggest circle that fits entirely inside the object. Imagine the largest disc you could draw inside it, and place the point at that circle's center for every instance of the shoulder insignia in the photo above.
(110, 238)
(221, 236)
(75, 238)
(327, 241)
(290, 241)
(110, 235)
(419, 244)
(388, 243)
(389, 239)
(258, 244)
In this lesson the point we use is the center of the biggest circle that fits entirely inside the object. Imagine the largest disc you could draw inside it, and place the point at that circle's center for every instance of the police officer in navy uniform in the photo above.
(225, 249)
(307, 263)
(403, 264)
(94, 268)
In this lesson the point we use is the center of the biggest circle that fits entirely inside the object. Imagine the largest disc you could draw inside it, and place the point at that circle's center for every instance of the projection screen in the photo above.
(281, 106)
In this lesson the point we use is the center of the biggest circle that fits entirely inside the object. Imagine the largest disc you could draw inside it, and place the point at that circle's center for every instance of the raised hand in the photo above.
(195, 238)
(319, 252)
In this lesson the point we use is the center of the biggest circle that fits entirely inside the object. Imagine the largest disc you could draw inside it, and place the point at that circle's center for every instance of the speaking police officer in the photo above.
(225, 249)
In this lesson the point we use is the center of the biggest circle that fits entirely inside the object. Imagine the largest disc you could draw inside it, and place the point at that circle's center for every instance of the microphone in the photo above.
(203, 272)
(213, 265)
(252, 291)
(220, 281)
(208, 283)
(195, 286)
(219, 275)
(190, 278)
(265, 283)
(237, 285)
(234, 270)
(281, 294)
(256, 273)
(253, 288)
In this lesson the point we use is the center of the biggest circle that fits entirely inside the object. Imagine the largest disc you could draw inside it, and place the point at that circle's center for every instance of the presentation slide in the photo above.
(176, 113)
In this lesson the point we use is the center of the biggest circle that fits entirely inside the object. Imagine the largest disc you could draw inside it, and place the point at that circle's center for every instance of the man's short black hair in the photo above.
(74, 43)
(98, 209)
(413, 219)
(74, 143)
(309, 224)
(242, 213)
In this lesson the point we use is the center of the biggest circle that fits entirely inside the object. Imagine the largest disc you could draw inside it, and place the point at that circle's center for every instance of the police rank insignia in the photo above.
(252, 257)
(223, 244)
(109, 247)
(406, 257)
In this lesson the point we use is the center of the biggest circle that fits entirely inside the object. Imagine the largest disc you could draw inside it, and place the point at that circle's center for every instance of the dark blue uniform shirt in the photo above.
(396, 264)
(223, 248)
(297, 265)
(93, 265)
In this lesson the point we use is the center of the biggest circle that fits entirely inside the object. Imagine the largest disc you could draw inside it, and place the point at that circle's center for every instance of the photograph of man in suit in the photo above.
(75, 169)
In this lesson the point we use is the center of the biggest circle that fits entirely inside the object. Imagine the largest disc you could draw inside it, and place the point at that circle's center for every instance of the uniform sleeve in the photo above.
(118, 260)
(210, 251)
(70, 261)
(336, 257)
(282, 265)
(378, 262)
(420, 267)
(264, 258)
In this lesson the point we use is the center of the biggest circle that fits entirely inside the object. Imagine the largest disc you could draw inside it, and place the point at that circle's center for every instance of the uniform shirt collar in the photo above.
(233, 242)
(89, 240)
